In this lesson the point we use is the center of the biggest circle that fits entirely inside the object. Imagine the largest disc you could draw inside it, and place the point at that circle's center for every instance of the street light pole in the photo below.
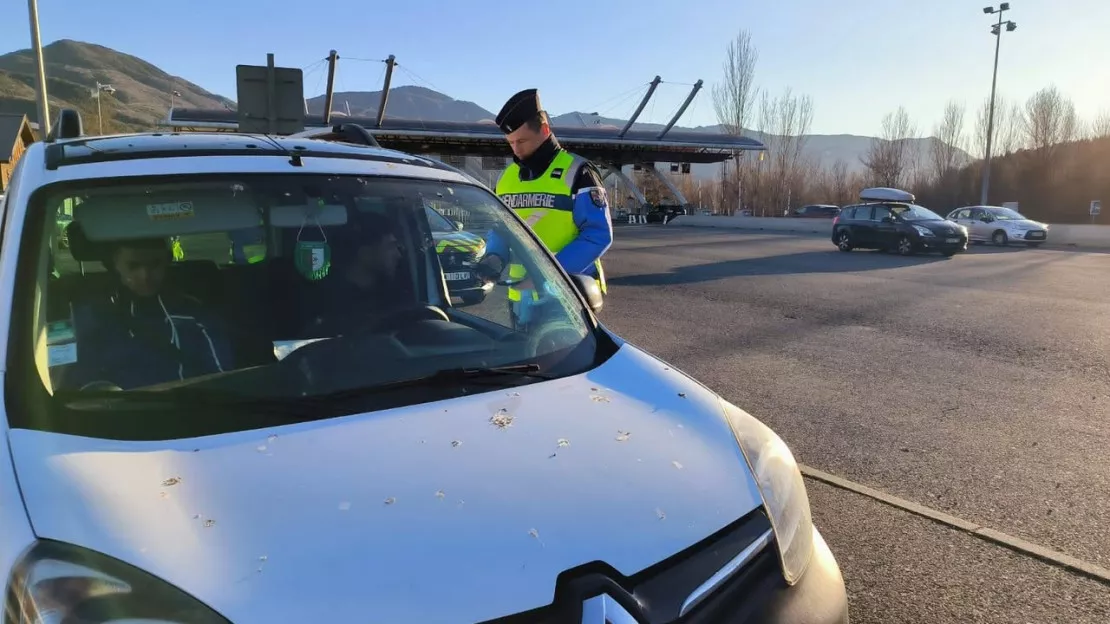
(40, 70)
(997, 30)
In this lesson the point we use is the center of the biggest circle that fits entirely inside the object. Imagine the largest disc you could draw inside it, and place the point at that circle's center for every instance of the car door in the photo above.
(978, 225)
(861, 226)
(885, 229)
(963, 217)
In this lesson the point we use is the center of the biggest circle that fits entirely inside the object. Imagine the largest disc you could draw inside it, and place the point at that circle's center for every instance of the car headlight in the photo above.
(56, 582)
(924, 231)
(781, 485)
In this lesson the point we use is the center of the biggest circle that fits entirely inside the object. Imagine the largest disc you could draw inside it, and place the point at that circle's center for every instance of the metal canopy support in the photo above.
(640, 108)
(271, 95)
(389, 63)
(681, 109)
(609, 169)
(677, 194)
(329, 95)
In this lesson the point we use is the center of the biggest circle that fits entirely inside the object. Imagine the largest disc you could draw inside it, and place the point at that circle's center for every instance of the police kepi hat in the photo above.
(520, 109)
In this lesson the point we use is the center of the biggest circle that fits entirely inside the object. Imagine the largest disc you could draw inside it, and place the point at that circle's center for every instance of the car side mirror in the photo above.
(587, 285)
(458, 225)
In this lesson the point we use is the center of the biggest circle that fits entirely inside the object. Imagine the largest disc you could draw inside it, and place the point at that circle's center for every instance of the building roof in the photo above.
(11, 128)
(486, 139)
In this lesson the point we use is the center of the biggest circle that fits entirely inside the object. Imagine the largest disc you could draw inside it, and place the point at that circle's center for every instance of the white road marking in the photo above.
(1016, 544)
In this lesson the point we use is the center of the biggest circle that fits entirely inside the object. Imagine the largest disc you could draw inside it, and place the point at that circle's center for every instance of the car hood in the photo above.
(453, 511)
(1025, 224)
(940, 226)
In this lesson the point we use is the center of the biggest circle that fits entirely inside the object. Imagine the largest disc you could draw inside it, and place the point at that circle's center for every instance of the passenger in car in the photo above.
(144, 333)
(368, 279)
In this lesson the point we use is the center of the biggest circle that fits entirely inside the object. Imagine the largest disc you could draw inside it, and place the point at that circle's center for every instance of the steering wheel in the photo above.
(395, 319)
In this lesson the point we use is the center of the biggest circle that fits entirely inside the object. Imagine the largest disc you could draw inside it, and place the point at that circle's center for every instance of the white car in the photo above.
(321, 436)
(999, 225)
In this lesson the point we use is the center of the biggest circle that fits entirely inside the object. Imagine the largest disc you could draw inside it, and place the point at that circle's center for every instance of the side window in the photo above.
(964, 214)
(863, 213)
(976, 214)
(881, 212)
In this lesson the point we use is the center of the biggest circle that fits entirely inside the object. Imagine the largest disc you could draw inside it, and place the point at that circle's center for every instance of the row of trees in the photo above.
(1043, 155)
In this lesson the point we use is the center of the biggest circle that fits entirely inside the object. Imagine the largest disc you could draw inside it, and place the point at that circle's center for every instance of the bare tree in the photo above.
(1100, 127)
(889, 158)
(1049, 120)
(946, 150)
(783, 125)
(734, 96)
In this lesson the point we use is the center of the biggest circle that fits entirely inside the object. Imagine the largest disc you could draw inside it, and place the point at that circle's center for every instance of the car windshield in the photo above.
(913, 212)
(280, 290)
(437, 222)
(1006, 214)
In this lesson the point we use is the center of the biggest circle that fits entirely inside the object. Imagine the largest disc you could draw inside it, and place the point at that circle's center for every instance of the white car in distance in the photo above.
(999, 225)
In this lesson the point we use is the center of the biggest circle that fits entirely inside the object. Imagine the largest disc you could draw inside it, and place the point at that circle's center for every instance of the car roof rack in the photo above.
(355, 133)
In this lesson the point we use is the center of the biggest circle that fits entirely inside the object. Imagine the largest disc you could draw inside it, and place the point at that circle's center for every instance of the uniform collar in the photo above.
(534, 165)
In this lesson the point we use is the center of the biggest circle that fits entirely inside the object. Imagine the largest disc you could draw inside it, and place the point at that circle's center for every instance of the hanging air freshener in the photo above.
(312, 259)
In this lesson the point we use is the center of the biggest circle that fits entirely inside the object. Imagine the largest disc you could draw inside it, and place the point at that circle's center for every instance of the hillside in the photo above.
(142, 97)
(73, 68)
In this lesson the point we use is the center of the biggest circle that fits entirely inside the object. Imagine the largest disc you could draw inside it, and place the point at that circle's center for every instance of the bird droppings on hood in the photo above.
(440, 494)
(681, 426)
(261, 563)
(271, 438)
(682, 395)
(563, 442)
(659, 514)
(511, 395)
(623, 436)
(163, 495)
(345, 506)
(209, 523)
(677, 465)
(456, 443)
(502, 419)
(599, 398)
(666, 368)
(171, 481)
(261, 448)
(390, 500)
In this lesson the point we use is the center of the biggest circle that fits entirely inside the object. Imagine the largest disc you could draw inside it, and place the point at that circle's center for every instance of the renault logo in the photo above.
(604, 610)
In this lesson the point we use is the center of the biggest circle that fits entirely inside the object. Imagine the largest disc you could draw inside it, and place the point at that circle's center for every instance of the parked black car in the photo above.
(902, 227)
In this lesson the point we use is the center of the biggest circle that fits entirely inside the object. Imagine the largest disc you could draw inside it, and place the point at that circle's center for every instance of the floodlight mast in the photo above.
(996, 30)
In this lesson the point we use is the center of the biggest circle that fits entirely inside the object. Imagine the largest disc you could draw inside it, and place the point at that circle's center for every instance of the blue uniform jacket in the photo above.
(134, 343)
(590, 213)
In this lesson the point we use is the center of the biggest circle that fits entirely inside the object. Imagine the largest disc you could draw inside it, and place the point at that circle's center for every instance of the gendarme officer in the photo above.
(558, 194)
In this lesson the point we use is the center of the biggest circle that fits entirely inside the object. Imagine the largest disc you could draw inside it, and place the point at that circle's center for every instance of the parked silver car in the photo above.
(999, 225)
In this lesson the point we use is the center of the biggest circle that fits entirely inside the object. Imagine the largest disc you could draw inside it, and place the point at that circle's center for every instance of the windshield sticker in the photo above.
(169, 211)
(312, 259)
(60, 355)
(59, 332)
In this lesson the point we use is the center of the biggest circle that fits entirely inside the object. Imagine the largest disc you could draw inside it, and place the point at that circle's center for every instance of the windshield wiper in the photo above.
(443, 377)
(192, 397)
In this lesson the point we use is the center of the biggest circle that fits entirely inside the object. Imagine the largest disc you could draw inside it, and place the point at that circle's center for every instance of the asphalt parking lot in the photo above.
(978, 386)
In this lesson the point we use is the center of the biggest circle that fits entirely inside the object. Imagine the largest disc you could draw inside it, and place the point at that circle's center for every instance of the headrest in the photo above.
(80, 247)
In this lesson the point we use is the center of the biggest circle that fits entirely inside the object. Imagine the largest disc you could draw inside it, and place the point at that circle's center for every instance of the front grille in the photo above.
(659, 592)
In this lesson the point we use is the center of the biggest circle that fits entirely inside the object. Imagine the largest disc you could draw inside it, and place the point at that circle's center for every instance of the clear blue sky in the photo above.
(858, 59)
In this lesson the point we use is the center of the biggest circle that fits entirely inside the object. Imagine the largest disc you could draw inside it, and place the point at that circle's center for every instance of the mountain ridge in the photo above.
(142, 98)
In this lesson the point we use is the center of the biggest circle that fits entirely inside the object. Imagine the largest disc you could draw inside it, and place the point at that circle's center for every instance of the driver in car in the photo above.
(144, 333)
(368, 281)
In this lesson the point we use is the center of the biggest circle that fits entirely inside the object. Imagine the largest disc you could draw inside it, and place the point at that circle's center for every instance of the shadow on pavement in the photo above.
(787, 264)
